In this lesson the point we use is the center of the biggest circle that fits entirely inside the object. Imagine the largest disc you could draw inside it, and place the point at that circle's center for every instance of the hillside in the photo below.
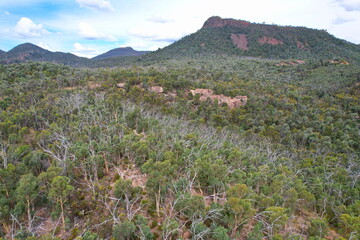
(242, 38)
(30, 52)
(1, 51)
(120, 52)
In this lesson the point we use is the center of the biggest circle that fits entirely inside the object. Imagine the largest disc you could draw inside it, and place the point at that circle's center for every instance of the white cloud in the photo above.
(7, 13)
(102, 5)
(350, 5)
(140, 45)
(160, 35)
(47, 47)
(82, 51)
(44, 46)
(88, 32)
(26, 28)
(340, 20)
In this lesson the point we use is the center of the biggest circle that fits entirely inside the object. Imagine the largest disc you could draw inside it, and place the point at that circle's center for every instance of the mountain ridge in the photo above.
(218, 36)
(242, 38)
(123, 51)
(31, 52)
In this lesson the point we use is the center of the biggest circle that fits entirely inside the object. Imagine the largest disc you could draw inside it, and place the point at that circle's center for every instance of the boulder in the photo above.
(202, 92)
(157, 89)
(120, 85)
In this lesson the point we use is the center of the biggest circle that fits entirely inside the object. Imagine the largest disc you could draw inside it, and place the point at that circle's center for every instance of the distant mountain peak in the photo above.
(27, 47)
(31, 52)
(221, 22)
(121, 51)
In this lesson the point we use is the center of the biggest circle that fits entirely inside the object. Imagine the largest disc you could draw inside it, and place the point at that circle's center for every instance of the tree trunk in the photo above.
(62, 213)
(234, 230)
(157, 199)
(29, 215)
(106, 164)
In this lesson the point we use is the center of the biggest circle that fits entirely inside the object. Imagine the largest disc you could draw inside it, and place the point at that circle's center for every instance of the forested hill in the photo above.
(117, 52)
(1, 51)
(242, 38)
(30, 52)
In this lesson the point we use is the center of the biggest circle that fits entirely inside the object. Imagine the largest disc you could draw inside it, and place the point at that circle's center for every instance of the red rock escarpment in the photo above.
(220, 22)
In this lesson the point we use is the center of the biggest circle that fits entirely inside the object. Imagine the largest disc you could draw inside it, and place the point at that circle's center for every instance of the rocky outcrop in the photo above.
(209, 94)
(270, 40)
(157, 89)
(202, 92)
(121, 85)
(220, 22)
(240, 41)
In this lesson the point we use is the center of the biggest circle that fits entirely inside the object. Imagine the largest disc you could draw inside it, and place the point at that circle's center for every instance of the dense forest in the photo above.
(82, 158)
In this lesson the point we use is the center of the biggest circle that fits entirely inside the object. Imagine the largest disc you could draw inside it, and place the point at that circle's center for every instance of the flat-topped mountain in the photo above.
(242, 38)
(220, 22)
(119, 52)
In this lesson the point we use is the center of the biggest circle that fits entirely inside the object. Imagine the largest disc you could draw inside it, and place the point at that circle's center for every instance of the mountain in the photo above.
(242, 38)
(30, 52)
(218, 36)
(1, 52)
(119, 52)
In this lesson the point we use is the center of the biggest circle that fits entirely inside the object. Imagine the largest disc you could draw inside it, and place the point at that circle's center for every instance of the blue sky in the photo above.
(91, 27)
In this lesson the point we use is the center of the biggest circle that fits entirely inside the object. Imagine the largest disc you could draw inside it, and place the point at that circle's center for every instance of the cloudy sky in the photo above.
(91, 27)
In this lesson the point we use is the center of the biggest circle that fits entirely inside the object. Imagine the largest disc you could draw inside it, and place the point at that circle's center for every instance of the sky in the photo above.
(90, 27)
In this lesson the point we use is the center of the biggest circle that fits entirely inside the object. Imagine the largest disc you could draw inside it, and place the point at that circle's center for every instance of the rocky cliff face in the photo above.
(220, 22)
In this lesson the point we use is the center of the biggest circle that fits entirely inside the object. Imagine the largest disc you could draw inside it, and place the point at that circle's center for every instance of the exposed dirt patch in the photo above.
(134, 174)
(290, 63)
(202, 44)
(332, 235)
(47, 226)
(70, 88)
(297, 225)
(248, 227)
(240, 41)
(270, 40)
(339, 62)
(93, 85)
(303, 46)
